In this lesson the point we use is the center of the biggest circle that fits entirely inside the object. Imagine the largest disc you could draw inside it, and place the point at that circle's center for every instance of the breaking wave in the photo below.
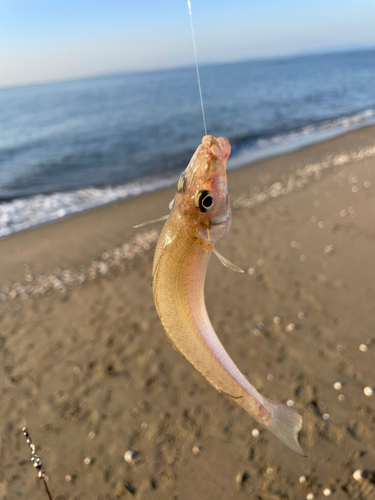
(23, 213)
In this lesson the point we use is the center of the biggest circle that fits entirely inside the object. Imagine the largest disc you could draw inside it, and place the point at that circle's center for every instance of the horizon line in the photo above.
(307, 53)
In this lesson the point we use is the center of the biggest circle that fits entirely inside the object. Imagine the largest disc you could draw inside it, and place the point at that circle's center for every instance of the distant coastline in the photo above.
(203, 64)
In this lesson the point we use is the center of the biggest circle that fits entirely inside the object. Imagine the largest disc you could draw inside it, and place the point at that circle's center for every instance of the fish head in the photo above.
(202, 192)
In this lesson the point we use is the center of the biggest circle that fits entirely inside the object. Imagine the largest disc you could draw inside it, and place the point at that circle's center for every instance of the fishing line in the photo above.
(196, 65)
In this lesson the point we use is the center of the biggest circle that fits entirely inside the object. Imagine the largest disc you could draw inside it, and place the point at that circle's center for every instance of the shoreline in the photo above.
(48, 206)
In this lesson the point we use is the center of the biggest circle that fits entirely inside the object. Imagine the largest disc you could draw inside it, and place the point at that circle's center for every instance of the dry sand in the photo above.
(86, 366)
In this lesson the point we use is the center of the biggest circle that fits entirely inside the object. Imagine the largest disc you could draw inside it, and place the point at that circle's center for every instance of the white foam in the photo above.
(23, 213)
(282, 143)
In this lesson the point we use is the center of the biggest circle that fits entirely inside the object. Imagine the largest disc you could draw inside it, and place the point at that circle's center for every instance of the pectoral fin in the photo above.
(226, 262)
(160, 219)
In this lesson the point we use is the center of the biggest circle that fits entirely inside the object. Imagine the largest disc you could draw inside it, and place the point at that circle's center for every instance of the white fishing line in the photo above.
(196, 66)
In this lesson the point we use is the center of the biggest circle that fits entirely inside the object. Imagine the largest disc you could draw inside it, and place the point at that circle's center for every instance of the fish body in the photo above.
(200, 215)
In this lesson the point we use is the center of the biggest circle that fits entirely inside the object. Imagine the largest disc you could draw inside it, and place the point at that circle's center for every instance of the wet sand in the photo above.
(86, 366)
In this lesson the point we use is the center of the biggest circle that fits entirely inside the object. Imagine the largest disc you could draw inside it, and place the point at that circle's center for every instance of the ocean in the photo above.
(73, 145)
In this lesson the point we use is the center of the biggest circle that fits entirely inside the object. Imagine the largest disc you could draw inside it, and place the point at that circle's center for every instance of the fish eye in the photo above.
(181, 183)
(203, 201)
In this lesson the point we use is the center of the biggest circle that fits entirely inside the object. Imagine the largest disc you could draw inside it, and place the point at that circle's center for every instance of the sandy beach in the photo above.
(85, 364)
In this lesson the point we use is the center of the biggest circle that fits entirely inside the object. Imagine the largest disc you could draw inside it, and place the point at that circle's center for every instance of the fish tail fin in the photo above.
(285, 423)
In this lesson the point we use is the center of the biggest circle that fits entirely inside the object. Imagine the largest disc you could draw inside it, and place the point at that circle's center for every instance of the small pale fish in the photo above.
(201, 215)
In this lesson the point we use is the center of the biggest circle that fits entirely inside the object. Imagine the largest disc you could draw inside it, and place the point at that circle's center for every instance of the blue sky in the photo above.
(51, 40)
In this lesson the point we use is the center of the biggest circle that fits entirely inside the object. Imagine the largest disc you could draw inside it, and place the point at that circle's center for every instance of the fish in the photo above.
(201, 215)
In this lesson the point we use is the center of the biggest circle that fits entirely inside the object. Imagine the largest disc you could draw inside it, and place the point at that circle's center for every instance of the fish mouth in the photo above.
(218, 147)
(209, 161)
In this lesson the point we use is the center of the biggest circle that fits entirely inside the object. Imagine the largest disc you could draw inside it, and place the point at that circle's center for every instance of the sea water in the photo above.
(69, 146)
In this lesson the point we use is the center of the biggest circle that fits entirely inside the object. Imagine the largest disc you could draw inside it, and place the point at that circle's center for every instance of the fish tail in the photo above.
(285, 423)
